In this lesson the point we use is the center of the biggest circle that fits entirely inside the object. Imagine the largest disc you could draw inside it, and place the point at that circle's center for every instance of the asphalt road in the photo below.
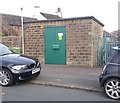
(32, 92)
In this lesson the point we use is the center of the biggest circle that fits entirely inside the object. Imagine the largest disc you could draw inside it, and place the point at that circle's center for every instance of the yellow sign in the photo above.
(60, 36)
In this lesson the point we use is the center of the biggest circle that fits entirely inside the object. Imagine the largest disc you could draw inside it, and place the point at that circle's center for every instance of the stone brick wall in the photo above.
(11, 41)
(80, 39)
(97, 40)
(17, 28)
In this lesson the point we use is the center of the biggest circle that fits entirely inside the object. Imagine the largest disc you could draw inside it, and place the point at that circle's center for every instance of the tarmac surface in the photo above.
(69, 77)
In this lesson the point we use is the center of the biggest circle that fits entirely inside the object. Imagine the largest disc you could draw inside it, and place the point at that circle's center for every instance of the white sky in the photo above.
(106, 11)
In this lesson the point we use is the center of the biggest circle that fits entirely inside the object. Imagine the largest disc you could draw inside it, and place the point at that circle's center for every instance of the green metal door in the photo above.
(55, 45)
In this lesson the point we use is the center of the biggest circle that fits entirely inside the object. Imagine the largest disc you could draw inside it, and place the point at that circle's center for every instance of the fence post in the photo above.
(105, 47)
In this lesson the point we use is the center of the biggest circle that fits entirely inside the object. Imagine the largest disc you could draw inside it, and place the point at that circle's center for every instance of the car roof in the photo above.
(116, 48)
(3, 46)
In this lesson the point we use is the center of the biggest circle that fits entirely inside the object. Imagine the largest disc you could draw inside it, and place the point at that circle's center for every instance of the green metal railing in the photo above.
(109, 41)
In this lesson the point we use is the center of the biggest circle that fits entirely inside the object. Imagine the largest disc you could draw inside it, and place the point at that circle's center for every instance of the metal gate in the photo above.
(104, 52)
(109, 41)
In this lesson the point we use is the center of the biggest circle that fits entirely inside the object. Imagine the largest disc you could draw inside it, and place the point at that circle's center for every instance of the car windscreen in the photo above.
(4, 50)
(115, 57)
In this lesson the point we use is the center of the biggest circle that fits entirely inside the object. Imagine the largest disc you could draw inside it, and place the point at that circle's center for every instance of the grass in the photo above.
(16, 50)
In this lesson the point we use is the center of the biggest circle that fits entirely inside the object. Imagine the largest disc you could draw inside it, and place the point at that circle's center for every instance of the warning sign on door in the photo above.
(60, 36)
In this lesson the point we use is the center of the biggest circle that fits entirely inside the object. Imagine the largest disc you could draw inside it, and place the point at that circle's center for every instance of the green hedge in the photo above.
(16, 50)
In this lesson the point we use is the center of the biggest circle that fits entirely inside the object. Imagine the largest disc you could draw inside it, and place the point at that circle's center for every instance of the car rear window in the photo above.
(115, 57)
(4, 50)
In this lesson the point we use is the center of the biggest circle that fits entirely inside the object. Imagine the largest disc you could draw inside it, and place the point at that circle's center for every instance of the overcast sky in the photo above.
(106, 11)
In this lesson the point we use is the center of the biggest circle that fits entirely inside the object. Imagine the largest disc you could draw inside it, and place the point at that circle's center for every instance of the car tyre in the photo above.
(112, 88)
(6, 78)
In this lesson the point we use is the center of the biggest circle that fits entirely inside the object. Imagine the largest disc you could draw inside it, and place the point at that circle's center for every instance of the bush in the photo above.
(16, 50)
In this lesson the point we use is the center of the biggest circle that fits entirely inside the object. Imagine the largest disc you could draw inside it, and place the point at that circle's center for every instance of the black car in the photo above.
(110, 76)
(16, 67)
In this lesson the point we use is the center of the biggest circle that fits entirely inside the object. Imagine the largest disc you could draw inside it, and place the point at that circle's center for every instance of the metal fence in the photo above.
(109, 41)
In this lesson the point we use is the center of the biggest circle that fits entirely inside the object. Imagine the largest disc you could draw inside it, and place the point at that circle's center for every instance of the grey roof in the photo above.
(65, 19)
(117, 32)
(49, 16)
(14, 19)
(107, 33)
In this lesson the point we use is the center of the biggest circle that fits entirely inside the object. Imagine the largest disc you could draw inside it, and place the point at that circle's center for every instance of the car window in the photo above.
(116, 57)
(4, 50)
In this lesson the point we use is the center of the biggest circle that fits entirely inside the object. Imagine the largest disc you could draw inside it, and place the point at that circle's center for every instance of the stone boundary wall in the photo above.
(11, 41)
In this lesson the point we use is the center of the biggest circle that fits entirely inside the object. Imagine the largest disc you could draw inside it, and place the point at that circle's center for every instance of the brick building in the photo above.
(69, 41)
